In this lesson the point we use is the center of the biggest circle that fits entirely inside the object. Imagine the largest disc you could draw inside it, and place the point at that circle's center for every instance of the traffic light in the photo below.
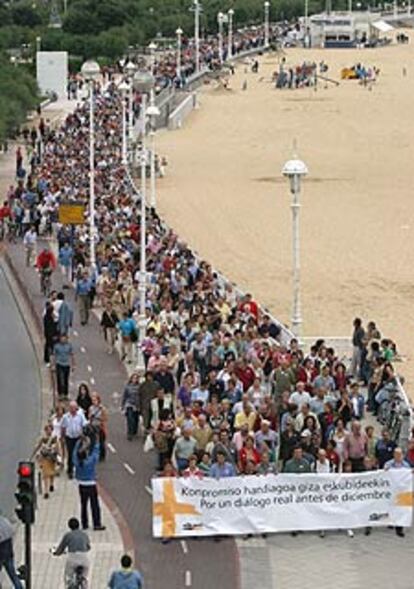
(26, 492)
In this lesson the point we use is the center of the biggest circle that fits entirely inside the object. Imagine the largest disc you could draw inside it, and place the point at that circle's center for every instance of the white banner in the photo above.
(280, 503)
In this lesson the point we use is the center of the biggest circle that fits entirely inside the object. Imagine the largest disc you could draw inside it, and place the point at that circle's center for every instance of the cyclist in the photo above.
(45, 263)
(76, 543)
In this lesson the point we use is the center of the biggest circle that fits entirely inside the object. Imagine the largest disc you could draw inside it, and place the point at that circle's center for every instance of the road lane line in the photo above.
(184, 546)
(89, 368)
(92, 380)
(148, 489)
(128, 468)
(111, 448)
(188, 579)
(75, 333)
(83, 350)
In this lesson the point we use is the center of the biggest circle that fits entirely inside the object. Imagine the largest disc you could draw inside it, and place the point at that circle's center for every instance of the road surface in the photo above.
(19, 394)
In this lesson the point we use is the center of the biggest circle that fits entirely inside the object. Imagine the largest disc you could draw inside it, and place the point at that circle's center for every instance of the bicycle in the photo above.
(78, 580)
(45, 281)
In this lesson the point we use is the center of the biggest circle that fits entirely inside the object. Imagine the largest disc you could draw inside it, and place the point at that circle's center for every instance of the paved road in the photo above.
(381, 560)
(210, 564)
(19, 394)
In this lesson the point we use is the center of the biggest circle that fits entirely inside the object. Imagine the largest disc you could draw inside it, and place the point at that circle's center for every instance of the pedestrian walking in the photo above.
(65, 259)
(65, 315)
(64, 362)
(29, 242)
(130, 405)
(83, 291)
(47, 452)
(50, 332)
(85, 458)
(73, 423)
(7, 552)
(126, 577)
(98, 419)
(109, 321)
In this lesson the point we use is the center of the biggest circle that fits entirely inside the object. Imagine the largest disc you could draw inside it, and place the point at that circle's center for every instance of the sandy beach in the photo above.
(225, 195)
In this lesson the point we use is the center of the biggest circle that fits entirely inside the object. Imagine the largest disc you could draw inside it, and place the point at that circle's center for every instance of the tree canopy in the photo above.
(107, 27)
(19, 94)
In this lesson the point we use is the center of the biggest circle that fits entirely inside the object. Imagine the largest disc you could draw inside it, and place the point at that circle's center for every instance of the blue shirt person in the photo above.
(222, 469)
(126, 578)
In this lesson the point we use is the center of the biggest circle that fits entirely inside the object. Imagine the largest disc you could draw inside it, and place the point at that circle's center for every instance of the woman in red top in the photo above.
(307, 374)
(339, 376)
(248, 452)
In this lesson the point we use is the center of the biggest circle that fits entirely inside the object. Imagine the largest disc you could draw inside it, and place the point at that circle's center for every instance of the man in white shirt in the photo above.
(73, 423)
(29, 242)
(322, 464)
(300, 396)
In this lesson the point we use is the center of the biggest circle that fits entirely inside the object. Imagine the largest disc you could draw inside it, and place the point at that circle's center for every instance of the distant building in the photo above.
(345, 29)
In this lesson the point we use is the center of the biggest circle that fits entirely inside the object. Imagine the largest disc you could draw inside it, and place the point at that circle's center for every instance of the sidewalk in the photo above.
(51, 518)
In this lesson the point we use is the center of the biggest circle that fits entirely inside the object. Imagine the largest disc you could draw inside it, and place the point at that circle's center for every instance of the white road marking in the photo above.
(92, 380)
(188, 578)
(111, 448)
(75, 333)
(148, 489)
(89, 368)
(128, 468)
(83, 350)
(184, 546)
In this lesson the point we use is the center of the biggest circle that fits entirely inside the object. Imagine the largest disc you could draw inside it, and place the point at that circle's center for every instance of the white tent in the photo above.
(382, 26)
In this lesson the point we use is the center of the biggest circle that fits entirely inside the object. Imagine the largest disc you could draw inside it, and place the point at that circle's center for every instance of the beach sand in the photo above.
(224, 193)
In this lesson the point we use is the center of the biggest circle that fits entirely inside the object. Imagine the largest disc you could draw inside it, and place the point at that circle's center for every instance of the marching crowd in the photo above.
(221, 384)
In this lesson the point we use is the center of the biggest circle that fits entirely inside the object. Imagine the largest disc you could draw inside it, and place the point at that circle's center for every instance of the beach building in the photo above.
(345, 29)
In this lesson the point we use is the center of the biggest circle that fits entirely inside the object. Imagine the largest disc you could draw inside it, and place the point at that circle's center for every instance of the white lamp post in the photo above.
(220, 21)
(152, 112)
(230, 35)
(143, 82)
(197, 33)
(90, 71)
(179, 33)
(124, 88)
(130, 70)
(294, 170)
(266, 23)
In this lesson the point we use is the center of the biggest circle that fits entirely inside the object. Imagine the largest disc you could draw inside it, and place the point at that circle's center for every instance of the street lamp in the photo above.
(152, 112)
(197, 33)
(143, 83)
(294, 170)
(230, 35)
(124, 89)
(220, 21)
(266, 23)
(179, 33)
(130, 70)
(90, 71)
